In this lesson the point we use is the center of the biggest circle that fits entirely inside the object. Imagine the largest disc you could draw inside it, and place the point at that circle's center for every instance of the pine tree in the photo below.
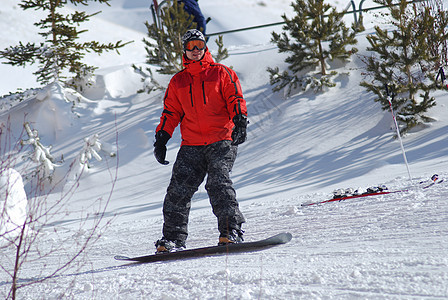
(167, 50)
(164, 47)
(317, 34)
(60, 52)
(438, 45)
(404, 63)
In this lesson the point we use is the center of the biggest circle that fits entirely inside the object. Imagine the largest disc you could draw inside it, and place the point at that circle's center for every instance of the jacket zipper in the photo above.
(191, 96)
(203, 92)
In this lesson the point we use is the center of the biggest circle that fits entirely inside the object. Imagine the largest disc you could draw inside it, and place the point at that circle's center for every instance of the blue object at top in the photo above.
(192, 7)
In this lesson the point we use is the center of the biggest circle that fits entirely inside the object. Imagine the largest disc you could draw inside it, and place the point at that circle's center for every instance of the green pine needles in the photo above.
(60, 54)
(406, 58)
(317, 34)
(164, 44)
(164, 47)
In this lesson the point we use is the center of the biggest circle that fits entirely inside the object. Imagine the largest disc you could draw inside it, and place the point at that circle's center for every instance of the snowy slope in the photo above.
(299, 149)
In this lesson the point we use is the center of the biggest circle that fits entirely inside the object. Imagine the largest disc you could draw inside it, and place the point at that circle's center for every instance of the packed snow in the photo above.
(13, 202)
(298, 151)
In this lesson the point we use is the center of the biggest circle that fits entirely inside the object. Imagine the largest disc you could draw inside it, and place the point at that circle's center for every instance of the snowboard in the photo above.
(281, 238)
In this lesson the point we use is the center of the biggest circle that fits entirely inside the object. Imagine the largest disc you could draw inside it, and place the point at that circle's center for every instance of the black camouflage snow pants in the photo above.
(192, 164)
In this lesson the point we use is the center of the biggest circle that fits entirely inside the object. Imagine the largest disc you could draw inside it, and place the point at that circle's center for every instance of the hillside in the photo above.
(299, 149)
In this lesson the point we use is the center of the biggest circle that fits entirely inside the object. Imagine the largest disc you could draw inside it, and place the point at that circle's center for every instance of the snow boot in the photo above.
(232, 237)
(165, 246)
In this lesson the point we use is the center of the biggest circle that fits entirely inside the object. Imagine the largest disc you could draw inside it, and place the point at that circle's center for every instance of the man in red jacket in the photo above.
(206, 99)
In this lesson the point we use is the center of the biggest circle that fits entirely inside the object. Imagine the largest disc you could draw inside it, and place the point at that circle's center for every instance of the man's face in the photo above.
(195, 54)
(195, 49)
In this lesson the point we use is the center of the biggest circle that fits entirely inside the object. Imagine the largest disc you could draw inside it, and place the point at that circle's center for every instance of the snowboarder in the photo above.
(192, 7)
(207, 100)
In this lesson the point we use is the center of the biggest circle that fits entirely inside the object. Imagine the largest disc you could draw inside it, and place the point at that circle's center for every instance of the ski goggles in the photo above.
(198, 44)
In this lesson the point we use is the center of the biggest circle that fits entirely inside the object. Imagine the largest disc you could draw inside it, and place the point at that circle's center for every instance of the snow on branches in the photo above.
(41, 154)
(91, 147)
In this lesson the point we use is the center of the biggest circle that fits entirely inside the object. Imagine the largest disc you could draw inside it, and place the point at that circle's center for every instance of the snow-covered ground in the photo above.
(299, 150)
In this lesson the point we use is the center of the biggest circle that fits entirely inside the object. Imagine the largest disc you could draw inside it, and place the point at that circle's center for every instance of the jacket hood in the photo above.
(195, 67)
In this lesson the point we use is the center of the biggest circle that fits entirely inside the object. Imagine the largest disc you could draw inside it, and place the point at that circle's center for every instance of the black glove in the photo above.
(162, 138)
(239, 131)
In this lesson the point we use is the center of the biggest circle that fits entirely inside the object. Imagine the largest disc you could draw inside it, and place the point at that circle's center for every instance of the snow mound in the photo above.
(13, 203)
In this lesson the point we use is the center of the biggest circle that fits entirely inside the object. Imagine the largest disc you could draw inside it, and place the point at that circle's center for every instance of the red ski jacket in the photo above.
(204, 97)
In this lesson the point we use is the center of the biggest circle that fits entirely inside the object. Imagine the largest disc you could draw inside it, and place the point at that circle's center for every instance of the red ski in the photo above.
(351, 197)
(423, 185)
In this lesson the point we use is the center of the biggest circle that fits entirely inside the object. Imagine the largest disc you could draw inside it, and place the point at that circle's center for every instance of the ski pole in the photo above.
(390, 98)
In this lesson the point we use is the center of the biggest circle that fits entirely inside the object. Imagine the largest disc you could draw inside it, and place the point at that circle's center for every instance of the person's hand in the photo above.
(239, 133)
(162, 138)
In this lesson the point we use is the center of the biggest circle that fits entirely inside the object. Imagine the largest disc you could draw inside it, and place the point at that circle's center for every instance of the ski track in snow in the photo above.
(381, 247)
